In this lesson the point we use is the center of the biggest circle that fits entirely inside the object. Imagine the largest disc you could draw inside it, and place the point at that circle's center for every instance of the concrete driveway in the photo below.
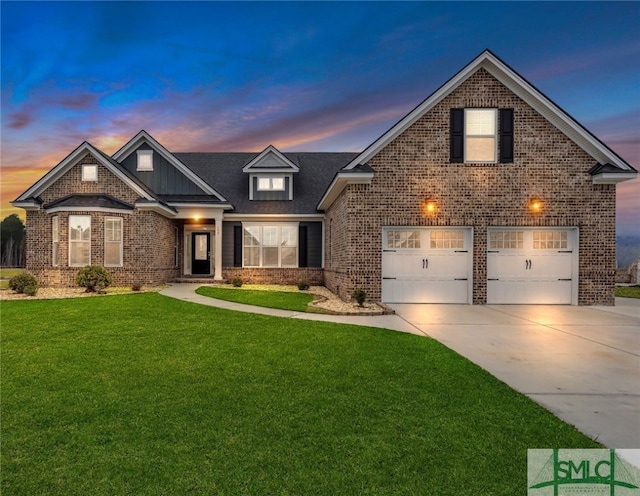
(582, 363)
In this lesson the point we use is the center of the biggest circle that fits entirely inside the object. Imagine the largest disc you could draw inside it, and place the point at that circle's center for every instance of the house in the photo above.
(486, 192)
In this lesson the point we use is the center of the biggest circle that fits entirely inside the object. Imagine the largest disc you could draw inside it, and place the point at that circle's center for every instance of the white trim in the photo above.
(469, 234)
(575, 264)
(278, 245)
(55, 241)
(254, 165)
(27, 205)
(121, 242)
(522, 89)
(70, 241)
(71, 160)
(188, 230)
(273, 217)
(94, 177)
(88, 209)
(271, 174)
(198, 210)
(156, 207)
(613, 177)
(142, 154)
(144, 137)
(493, 136)
(341, 181)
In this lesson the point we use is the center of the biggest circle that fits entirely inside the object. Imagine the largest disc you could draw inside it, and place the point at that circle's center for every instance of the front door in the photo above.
(201, 253)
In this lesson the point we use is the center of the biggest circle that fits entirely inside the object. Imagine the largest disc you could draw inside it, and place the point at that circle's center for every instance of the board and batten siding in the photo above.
(164, 179)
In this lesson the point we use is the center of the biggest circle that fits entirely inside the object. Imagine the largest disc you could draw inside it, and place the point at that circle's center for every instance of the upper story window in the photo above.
(145, 160)
(270, 186)
(271, 183)
(479, 135)
(89, 172)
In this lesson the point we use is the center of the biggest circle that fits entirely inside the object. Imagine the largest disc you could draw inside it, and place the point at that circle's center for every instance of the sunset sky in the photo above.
(303, 76)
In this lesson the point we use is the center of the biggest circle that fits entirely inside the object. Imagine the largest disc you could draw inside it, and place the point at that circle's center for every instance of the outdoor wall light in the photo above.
(430, 207)
(536, 205)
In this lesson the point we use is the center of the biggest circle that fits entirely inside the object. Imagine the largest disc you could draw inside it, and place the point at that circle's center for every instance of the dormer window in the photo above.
(271, 183)
(145, 160)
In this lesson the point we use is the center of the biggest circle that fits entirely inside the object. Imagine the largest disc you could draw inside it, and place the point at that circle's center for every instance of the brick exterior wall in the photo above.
(148, 238)
(290, 276)
(415, 167)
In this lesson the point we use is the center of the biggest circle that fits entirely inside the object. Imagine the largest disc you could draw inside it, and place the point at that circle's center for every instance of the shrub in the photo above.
(237, 282)
(31, 288)
(303, 285)
(94, 277)
(359, 295)
(24, 283)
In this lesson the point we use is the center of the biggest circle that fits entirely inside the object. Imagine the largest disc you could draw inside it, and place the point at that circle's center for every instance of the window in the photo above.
(480, 130)
(403, 239)
(89, 172)
(79, 240)
(271, 183)
(113, 242)
(506, 240)
(55, 240)
(176, 241)
(145, 160)
(549, 240)
(446, 239)
(482, 135)
(274, 245)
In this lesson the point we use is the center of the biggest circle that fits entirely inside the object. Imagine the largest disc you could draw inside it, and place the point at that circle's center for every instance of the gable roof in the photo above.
(71, 160)
(523, 89)
(270, 160)
(144, 137)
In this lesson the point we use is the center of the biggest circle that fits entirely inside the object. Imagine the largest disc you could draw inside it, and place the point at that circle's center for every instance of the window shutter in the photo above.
(457, 135)
(302, 247)
(506, 135)
(237, 246)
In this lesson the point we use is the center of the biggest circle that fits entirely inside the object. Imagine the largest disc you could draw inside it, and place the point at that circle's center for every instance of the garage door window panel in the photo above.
(446, 239)
(506, 240)
(403, 239)
(550, 240)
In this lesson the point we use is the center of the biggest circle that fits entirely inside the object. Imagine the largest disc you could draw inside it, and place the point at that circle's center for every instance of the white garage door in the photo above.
(426, 265)
(531, 266)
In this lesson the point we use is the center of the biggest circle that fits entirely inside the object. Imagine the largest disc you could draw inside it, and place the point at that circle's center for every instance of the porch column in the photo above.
(217, 252)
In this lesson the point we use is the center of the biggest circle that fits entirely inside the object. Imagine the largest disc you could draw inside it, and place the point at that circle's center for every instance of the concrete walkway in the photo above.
(187, 292)
(581, 363)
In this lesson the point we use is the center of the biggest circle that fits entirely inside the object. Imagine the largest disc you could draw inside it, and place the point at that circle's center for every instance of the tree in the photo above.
(12, 241)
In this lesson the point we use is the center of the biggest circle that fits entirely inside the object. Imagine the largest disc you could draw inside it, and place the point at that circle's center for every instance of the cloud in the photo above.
(19, 120)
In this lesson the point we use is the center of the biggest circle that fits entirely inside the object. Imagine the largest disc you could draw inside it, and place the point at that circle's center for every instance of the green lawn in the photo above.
(284, 300)
(147, 395)
(627, 291)
(6, 274)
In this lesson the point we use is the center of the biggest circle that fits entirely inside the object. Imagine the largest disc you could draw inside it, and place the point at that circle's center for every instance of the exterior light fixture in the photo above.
(430, 207)
(196, 218)
(536, 205)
